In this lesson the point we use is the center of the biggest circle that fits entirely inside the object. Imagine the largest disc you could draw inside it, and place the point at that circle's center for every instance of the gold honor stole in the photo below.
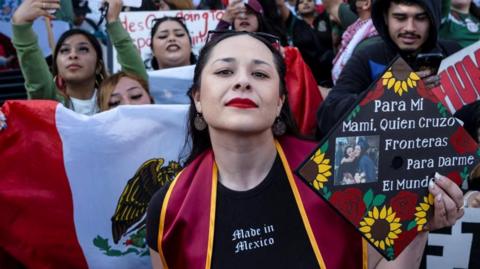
(187, 218)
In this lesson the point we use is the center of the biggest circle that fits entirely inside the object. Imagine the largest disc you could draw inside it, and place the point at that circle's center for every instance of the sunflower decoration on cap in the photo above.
(422, 211)
(400, 82)
(381, 227)
(318, 168)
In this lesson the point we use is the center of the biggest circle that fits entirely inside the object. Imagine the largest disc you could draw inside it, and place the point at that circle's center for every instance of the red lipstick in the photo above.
(243, 103)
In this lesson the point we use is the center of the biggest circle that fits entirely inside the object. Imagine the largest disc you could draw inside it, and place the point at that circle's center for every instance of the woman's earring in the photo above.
(199, 122)
(279, 128)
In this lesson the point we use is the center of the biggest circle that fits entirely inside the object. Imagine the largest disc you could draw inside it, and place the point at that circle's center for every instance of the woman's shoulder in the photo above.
(157, 199)
(153, 216)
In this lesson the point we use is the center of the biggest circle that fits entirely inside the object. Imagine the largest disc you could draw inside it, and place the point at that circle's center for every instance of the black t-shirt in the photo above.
(258, 228)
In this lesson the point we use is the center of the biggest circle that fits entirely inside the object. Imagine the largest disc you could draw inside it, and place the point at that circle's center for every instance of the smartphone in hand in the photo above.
(428, 61)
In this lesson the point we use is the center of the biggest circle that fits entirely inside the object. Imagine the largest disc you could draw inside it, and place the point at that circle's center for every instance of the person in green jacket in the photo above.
(460, 24)
(78, 65)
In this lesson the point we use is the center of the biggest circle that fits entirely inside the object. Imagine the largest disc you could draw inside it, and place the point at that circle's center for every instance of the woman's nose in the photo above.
(242, 86)
(243, 82)
(72, 54)
(171, 38)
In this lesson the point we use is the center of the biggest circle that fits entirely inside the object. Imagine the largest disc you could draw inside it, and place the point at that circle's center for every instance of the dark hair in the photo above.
(345, 150)
(385, 5)
(260, 20)
(155, 26)
(96, 45)
(273, 22)
(200, 140)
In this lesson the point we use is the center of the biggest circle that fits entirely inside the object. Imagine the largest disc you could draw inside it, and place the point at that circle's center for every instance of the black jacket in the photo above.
(315, 45)
(368, 63)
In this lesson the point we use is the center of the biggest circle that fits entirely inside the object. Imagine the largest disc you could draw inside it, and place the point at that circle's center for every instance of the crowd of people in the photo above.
(242, 125)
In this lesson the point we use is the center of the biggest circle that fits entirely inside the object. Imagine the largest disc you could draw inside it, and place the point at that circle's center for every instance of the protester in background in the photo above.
(78, 65)
(460, 24)
(406, 27)
(312, 35)
(342, 15)
(240, 175)
(80, 11)
(240, 16)
(8, 55)
(123, 89)
(171, 44)
(82, 21)
(357, 33)
(341, 12)
(273, 20)
(250, 16)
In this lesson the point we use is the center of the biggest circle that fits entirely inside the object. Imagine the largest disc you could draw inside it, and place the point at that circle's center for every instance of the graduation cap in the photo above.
(374, 166)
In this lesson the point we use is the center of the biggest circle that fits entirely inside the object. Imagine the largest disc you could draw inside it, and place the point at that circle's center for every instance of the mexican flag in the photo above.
(74, 188)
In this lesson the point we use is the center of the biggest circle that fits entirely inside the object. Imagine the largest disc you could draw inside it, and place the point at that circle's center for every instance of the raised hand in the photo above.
(233, 10)
(30, 10)
(114, 9)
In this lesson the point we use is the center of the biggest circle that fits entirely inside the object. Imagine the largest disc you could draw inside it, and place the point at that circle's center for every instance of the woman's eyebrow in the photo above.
(226, 59)
(261, 62)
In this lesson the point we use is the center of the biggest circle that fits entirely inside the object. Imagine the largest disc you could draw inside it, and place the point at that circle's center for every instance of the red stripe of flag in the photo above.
(36, 225)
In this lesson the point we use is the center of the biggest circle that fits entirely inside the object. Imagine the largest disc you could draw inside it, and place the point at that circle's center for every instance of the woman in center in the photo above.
(237, 203)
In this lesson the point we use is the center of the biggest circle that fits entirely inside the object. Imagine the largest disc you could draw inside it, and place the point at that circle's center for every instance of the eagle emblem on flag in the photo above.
(129, 217)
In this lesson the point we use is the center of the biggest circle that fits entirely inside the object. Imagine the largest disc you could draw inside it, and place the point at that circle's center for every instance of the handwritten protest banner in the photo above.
(139, 25)
(460, 78)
